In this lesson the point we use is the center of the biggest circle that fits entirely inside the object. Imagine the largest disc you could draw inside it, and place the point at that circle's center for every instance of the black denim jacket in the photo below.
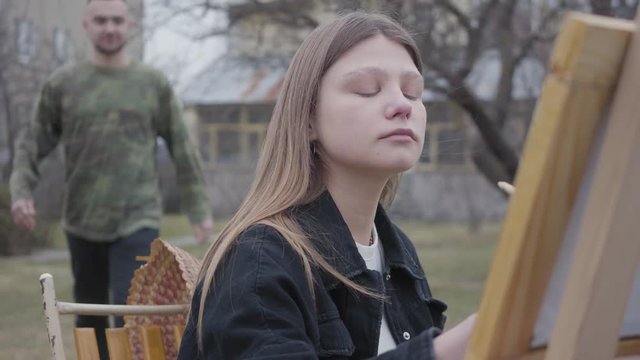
(260, 305)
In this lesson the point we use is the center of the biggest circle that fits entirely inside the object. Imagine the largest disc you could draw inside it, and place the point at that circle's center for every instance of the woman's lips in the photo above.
(399, 133)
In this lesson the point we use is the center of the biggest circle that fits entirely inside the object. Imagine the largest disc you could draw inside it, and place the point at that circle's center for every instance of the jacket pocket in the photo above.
(335, 339)
(436, 310)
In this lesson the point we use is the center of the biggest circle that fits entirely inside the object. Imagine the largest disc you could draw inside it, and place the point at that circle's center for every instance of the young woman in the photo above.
(311, 266)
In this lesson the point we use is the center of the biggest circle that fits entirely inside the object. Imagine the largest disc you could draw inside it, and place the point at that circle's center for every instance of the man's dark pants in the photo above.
(100, 266)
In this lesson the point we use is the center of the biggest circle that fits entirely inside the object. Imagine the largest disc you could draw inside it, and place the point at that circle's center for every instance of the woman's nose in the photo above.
(398, 106)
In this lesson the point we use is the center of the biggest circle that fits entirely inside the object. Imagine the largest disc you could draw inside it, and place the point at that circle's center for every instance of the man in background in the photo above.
(107, 113)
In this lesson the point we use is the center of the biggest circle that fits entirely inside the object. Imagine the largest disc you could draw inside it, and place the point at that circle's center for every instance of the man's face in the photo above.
(107, 24)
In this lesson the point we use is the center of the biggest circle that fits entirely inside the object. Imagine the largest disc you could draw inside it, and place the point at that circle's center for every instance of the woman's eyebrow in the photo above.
(378, 72)
(372, 70)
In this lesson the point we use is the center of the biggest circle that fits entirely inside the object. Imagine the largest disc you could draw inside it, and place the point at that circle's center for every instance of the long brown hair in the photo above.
(288, 173)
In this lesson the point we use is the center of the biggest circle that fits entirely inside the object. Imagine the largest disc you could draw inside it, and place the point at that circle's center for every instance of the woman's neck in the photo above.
(357, 199)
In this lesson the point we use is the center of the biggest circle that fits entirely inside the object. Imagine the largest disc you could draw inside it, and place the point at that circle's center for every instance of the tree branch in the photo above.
(535, 37)
(460, 16)
(475, 45)
(286, 12)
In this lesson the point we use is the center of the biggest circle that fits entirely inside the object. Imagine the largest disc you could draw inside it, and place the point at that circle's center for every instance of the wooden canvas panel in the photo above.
(631, 323)
(607, 253)
(548, 313)
(583, 72)
(558, 281)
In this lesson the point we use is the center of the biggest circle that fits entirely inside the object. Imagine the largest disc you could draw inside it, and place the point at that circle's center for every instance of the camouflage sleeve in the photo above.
(38, 139)
(191, 184)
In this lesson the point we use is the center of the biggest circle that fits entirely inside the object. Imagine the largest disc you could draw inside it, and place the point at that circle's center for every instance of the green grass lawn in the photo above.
(22, 333)
(455, 261)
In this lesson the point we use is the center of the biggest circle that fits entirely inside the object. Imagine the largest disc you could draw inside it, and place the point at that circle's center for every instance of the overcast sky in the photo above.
(170, 43)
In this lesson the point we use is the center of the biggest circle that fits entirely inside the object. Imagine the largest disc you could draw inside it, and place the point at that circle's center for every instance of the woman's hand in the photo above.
(452, 344)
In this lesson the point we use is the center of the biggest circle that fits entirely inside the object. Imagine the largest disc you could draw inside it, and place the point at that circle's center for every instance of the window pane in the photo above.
(254, 146)
(451, 147)
(220, 114)
(62, 47)
(228, 146)
(25, 40)
(260, 113)
(205, 146)
(439, 111)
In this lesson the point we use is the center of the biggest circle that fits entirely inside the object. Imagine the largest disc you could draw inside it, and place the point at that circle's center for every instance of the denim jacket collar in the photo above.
(322, 221)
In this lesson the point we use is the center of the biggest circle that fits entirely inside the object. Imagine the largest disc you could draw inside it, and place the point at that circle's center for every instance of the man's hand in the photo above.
(24, 213)
(203, 230)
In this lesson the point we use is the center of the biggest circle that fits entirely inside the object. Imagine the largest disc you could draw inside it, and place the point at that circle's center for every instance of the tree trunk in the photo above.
(5, 171)
(495, 143)
(490, 167)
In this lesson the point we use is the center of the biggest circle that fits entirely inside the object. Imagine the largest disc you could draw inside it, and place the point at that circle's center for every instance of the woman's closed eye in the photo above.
(364, 85)
(412, 95)
(413, 92)
(413, 87)
(367, 93)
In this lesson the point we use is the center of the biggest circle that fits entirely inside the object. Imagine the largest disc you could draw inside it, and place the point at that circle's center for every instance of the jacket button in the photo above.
(388, 277)
(406, 335)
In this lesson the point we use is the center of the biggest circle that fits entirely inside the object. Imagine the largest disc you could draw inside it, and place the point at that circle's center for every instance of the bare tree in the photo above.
(27, 56)
(453, 41)
(625, 9)
(19, 79)
(5, 103)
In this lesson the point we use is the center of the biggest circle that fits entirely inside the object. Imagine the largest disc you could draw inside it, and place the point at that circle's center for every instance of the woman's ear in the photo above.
(313, 133)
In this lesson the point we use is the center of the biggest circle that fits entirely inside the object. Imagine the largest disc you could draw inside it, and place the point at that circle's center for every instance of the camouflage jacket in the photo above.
(108, 121)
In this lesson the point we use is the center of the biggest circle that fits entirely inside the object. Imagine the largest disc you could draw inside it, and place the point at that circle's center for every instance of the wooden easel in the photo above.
(593, 86)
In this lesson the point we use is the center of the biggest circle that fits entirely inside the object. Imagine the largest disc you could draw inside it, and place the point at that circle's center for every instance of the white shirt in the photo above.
(373, 257)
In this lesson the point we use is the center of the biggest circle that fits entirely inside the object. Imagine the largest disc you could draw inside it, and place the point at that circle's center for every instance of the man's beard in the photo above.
(109, 52)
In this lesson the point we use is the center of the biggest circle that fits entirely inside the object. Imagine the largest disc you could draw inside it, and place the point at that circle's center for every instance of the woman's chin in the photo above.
(398, 167)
